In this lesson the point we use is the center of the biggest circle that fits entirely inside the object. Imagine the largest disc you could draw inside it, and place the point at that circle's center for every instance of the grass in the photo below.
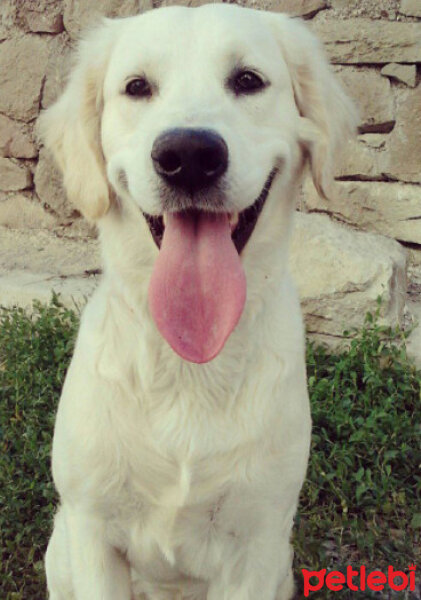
(34, 354)
(358, 506)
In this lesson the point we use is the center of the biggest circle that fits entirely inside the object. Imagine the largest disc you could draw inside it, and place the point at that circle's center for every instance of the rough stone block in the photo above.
(59, 62)
(362, 41)
(391, 209)
(7, 12)
(44, 252)
(373, 96)
(372, 9)
(80, 15)
(34, 263)
(39, 16)
(192, 3)
(23, 62)
(299, 8)
(340, 273)
(411, 8)
(16, 140)
(413, 345)
(404, 143)
(14, 177)
(404, 73)
(20, 212)
(363, 157)
(44, 16)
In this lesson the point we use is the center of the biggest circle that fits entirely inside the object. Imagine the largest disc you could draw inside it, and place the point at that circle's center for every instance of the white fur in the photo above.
(180, 481)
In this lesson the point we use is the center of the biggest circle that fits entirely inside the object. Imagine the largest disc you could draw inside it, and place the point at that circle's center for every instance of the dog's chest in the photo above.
(162, 453)
(171, 508)
(179, 534)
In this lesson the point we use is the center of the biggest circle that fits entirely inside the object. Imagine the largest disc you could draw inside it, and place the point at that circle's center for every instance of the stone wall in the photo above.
(375, 46)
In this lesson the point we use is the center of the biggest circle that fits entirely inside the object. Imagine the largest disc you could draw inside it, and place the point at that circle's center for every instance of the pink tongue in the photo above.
(198, 287)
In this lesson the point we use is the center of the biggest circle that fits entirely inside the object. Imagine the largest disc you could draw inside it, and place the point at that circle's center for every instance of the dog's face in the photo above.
(195, 116)
(198, 110)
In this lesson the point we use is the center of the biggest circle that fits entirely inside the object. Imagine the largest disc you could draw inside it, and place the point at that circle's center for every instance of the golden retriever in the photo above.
(183, 431)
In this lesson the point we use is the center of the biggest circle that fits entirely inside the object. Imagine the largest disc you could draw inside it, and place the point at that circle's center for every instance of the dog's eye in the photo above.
(139, 87)
(247, 82)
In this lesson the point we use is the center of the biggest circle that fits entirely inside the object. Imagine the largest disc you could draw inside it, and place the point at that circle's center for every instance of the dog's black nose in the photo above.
(190, 159)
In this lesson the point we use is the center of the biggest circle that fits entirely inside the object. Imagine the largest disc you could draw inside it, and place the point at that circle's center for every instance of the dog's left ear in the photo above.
(329, 117)
(70, 128)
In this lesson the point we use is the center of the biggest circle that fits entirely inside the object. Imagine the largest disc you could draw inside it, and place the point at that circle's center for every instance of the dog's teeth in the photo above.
(233, 220)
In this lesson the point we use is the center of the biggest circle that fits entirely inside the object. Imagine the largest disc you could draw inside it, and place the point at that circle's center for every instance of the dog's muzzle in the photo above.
(244, 227)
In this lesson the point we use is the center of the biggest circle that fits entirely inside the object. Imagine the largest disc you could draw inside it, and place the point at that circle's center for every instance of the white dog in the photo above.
(183, 430)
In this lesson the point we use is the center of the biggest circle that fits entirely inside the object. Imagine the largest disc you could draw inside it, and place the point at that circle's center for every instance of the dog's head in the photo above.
(195, 116)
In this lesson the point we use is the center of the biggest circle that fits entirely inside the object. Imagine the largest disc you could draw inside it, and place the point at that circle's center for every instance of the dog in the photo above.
(182, 435)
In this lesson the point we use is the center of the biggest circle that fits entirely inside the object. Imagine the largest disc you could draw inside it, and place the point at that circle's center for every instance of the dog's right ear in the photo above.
(329, 117)
(70, 128)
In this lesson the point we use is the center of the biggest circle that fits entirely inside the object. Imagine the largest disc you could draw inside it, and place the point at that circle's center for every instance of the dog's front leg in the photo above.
(258, 569)
(99, 572)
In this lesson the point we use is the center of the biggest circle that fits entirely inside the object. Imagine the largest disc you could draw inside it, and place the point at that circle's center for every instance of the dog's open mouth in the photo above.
(197, 290)
(242, 224)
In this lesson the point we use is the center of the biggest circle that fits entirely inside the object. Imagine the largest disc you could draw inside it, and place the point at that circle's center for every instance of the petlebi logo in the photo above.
(358, 580)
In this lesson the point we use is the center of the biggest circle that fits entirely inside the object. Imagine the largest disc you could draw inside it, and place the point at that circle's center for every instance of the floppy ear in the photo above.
(71, 127)
(329, 116)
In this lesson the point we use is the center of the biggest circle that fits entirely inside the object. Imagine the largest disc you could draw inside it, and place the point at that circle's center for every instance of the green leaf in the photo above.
(416, 521)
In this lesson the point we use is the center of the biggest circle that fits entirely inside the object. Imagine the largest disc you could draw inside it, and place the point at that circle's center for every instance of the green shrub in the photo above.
(360, 502)
(34, 355)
